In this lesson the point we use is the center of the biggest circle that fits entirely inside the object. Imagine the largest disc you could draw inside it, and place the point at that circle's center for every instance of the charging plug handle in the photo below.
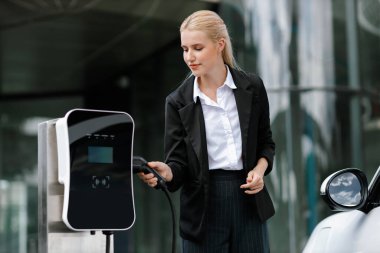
(141, 165)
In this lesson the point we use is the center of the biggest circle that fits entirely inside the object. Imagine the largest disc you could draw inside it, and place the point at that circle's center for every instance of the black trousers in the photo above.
(231, 224)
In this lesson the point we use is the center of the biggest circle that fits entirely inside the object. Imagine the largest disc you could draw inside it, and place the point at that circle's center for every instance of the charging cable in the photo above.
(108, 234)
(141, 165)
(108, 240)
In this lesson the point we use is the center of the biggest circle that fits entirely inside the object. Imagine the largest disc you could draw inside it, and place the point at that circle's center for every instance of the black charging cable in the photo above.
(141, 165)
(173, 219)
(108, 240)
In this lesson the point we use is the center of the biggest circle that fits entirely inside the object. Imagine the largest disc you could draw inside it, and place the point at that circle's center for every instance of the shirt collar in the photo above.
(229, 82)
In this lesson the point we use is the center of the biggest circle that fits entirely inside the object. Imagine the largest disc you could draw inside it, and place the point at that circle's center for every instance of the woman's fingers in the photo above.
(253, 189)
(149, 179)
(254, 183)
(161, 168)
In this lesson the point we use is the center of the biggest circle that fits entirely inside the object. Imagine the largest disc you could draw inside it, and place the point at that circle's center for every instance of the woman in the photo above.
(218, 145)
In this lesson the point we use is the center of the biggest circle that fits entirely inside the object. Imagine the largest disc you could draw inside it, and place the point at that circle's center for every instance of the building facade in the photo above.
(318, 60)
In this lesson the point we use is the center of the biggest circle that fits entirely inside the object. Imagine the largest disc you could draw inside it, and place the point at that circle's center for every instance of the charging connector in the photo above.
(141, 165)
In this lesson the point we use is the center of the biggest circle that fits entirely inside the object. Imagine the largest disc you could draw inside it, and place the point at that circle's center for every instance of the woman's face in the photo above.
(200, 53)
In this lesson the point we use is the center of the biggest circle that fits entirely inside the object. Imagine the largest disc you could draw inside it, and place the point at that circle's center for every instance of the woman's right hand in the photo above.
(162, 168)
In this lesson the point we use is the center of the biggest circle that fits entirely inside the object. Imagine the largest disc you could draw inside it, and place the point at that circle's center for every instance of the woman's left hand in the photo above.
(254, 182)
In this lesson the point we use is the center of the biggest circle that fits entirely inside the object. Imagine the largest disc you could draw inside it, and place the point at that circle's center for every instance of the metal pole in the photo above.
(354, 83)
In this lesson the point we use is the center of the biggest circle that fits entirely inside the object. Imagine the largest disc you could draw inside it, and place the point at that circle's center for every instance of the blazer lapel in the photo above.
(243, 96)
(193, 121)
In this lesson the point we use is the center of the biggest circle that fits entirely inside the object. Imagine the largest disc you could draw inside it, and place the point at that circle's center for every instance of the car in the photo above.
(355, 228)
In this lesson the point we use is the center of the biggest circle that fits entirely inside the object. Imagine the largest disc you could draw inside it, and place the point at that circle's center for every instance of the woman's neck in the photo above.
(209, 83)
(214, 79)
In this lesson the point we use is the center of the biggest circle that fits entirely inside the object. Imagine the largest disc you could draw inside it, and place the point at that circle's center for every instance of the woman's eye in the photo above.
(199, 48)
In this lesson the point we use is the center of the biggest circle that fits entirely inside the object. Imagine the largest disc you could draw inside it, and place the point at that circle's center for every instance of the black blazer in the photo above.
(186, 148)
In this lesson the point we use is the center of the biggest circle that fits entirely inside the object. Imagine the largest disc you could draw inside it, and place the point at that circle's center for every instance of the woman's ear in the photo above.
(221, 44)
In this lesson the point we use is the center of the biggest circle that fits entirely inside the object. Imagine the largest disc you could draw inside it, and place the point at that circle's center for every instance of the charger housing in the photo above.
(95, 153)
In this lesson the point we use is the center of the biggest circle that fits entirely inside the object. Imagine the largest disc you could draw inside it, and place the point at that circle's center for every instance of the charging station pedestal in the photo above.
(53, 234)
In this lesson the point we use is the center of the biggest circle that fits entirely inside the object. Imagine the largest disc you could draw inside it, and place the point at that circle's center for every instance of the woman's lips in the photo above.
(194, 66)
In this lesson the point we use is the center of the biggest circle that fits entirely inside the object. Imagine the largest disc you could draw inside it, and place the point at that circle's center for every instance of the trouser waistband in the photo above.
(222, 174)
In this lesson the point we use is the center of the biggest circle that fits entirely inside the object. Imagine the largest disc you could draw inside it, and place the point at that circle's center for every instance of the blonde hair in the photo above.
(213, 25)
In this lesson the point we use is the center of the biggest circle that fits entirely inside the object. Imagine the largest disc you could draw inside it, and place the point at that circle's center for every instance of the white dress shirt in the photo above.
(223, 134)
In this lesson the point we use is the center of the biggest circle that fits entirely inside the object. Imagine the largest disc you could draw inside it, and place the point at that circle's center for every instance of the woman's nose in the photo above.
(190, 56)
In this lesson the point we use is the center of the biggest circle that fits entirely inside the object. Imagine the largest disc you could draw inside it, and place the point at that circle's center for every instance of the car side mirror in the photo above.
(345, 190)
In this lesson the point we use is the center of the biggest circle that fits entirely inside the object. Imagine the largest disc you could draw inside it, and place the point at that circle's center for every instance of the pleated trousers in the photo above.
(232, 225)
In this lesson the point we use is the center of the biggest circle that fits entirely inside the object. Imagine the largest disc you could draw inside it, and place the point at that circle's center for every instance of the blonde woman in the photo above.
(218, 145)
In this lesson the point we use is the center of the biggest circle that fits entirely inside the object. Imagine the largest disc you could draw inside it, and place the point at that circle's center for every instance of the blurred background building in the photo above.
(319, 60)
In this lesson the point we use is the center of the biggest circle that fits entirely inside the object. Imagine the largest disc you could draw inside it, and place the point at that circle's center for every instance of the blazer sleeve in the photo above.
(265, 144)
(174, 144)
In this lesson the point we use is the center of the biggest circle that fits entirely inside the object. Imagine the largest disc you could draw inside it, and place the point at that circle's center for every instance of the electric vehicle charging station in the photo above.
(85, 180)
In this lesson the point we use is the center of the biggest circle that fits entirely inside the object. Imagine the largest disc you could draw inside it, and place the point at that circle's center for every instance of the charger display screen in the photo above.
(100, 154)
